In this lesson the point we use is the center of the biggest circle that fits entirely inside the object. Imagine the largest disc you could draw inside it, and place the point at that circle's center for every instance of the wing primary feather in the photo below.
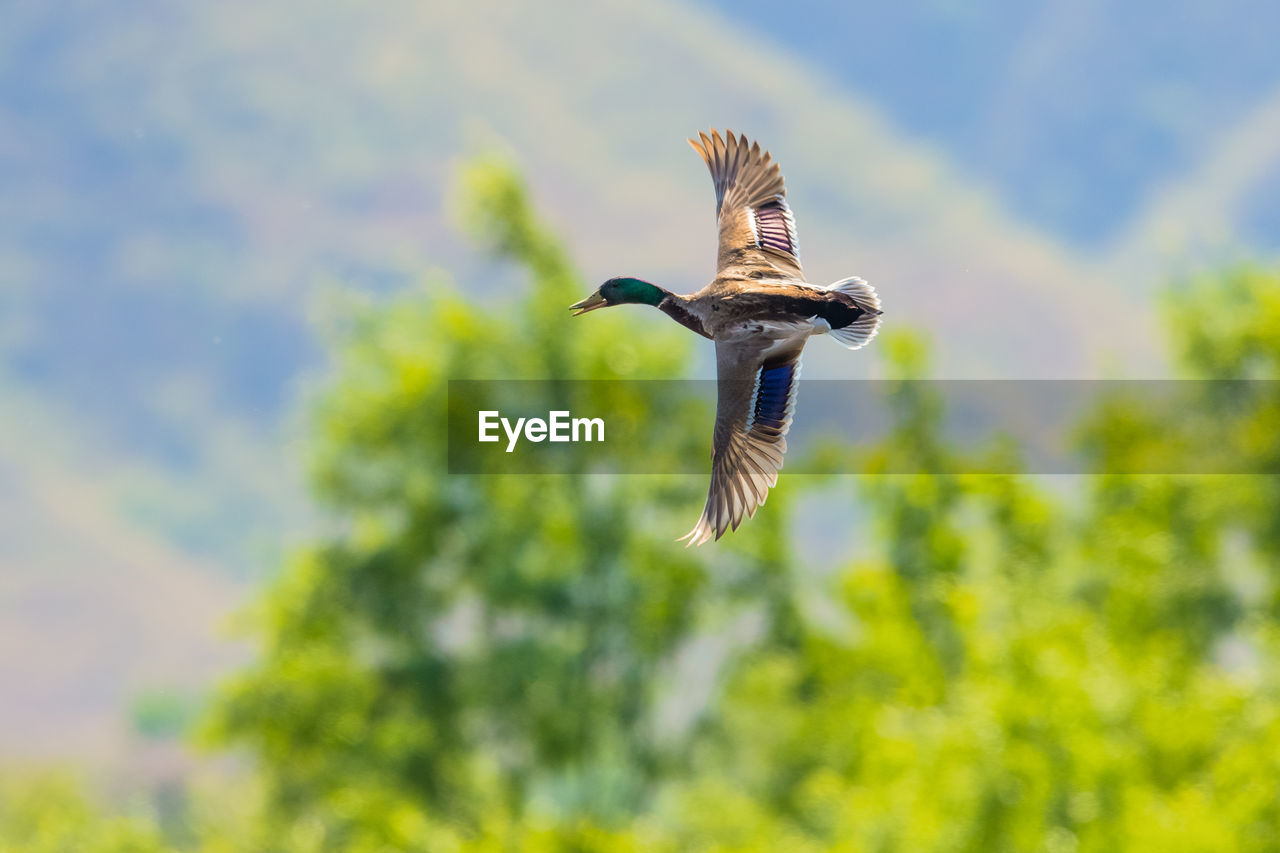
(747, 177)
(753, 414)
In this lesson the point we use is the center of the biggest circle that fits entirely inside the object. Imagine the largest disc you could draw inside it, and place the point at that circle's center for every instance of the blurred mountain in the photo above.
(1225, 209)
(93, 611)
(1075, 113)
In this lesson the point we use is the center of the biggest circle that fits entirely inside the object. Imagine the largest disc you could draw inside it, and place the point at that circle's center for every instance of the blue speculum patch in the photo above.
(771, 398)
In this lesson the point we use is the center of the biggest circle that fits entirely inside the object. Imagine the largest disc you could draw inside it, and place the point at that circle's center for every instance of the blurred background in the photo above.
(242, 607)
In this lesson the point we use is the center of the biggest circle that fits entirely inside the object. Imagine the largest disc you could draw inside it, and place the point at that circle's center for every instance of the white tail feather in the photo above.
(860, 332)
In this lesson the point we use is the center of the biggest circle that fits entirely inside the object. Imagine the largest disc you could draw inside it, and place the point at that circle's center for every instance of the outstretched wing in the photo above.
(757, 230)
(754, 405)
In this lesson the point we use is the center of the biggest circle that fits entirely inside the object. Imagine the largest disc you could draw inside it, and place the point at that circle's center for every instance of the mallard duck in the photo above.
(760, 312)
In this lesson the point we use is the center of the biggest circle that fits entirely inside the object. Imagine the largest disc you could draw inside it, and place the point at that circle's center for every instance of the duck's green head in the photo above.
(620, 291)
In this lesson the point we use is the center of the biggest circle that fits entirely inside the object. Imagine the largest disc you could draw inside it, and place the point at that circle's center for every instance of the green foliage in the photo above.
(162, 713)
(1224, 326)
(479, 663)
(477, 646)
(997, 671)
(49, 814)
(1014, 674)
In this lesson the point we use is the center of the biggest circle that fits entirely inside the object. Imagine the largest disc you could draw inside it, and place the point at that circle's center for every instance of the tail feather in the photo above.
(860, 332)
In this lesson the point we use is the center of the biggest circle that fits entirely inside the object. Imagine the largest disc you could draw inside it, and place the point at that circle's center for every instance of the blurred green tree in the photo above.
(50, 814)
(1014, 673)
(474, 646)
(478, 663)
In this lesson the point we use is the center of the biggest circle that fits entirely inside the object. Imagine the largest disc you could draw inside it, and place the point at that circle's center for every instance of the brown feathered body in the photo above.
(760, 312)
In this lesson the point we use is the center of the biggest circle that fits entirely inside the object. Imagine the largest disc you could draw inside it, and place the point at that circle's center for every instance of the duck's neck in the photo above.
(643, 292)
(677, 308)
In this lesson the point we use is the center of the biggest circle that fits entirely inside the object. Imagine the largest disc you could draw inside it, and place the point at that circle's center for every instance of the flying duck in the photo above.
(760, 311)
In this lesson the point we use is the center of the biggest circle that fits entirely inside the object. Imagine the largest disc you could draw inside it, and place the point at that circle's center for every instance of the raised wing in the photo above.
(757, 230)
(754, 405)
